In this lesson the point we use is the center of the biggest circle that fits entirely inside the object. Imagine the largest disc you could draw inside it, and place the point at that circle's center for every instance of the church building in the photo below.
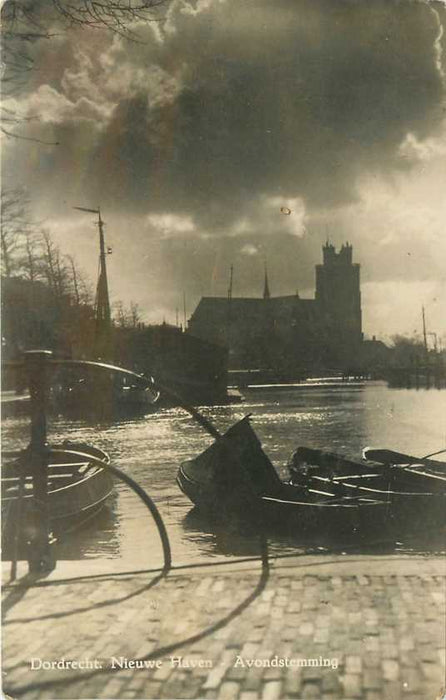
(289, 334)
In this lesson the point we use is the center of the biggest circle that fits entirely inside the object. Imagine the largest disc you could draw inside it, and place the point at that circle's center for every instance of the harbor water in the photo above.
(341, 418)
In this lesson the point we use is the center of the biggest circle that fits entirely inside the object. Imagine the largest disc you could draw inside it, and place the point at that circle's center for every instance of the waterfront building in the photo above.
(287, 333)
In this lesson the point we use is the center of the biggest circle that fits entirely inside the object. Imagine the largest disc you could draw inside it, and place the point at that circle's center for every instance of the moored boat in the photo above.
(84, 392)
(78, 487)
(234, 477)
(389, 480)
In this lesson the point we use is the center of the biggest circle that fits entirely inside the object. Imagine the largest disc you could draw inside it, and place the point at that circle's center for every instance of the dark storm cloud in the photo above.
(285, 99)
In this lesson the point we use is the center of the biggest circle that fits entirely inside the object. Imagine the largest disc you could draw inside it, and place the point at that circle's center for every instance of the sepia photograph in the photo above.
(223, 335)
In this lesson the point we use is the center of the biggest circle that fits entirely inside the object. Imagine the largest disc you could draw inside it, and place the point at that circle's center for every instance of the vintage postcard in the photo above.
(223, 349)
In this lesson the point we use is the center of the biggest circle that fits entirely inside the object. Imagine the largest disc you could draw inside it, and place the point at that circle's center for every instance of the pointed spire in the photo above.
(266, 293)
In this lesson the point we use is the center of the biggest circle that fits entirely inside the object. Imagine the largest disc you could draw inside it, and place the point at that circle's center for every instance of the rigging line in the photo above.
(432, 454)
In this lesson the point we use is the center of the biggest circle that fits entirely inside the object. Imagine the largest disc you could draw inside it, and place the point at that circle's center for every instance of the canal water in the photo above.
(341, 418)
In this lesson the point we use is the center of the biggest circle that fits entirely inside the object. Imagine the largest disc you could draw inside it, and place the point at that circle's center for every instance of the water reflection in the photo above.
(99, 533)
(340, 419)
(240, 539)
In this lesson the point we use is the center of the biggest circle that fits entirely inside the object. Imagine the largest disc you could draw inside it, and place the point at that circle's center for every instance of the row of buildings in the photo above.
(288, 334)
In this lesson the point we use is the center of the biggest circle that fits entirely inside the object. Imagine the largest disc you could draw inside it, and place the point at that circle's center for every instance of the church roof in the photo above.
(220, 307)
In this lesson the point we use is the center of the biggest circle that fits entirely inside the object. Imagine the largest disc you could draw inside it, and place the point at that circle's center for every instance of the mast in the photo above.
(102, 305)
(103, 316)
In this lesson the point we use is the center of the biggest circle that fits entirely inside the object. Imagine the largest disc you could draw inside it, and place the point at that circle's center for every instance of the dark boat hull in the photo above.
(77, 490)
(283, 510)
(234, 478)
(414, 495)
(112, 392)
(84, 403)
(409, 476)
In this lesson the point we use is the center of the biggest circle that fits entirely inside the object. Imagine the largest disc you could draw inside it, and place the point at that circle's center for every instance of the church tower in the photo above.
(338, 298)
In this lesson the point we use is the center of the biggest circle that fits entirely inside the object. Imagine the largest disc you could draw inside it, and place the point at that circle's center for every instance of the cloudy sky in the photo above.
(194, 139)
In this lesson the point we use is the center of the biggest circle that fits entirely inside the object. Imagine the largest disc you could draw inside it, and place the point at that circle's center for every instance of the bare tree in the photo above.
(49, 264)
(30, 253)
(54, 267)
(62, 275)
(15, 223)
(24, 23)
(74, 279)
(86, 296)
(115, 15)
(80, 287)
(127, 317)
(135, 316)
(119, 314)
(8, 244)
(31, 264)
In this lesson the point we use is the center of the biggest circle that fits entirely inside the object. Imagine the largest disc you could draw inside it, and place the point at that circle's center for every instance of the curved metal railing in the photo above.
(36, 363)
(148, 502)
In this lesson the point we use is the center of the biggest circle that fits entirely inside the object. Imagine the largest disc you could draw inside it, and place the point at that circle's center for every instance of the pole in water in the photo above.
(231, 279)
(424, 333)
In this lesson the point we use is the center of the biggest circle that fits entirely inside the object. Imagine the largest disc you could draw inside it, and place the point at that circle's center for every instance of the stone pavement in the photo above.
(312, 627)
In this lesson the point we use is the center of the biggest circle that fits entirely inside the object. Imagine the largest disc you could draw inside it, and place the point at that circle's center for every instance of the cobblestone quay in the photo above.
(310, 627)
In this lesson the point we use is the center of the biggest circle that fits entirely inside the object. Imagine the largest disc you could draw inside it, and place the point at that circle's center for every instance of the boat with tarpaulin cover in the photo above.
(234, 477)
